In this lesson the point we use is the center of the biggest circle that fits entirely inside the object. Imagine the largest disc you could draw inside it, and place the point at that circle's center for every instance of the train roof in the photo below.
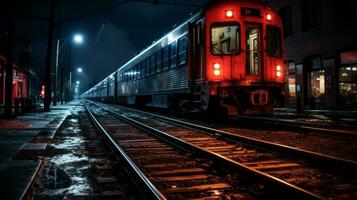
(154, 43)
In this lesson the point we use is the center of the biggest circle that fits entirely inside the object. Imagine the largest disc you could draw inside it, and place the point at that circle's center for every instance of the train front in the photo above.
(244, 57)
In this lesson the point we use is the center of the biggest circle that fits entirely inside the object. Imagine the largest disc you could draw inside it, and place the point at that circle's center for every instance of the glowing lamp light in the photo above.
(269, 17)
(278, 74)
(216, 66)
(77, 82)
(278, 68)
(229, 13)
(78, 39)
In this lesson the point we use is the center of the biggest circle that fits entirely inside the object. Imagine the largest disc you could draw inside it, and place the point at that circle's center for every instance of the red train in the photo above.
(227, 57)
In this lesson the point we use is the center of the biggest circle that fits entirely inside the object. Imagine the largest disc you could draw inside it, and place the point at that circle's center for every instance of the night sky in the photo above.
(127, 29)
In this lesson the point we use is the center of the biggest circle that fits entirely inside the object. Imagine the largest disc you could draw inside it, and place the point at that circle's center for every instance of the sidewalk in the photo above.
(25, 134)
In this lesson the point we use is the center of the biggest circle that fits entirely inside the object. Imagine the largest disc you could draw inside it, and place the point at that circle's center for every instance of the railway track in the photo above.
(163, 170)
(306, 174)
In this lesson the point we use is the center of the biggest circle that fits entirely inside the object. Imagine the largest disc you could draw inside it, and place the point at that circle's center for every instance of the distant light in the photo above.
(79, 69)
(229, 13)
(77, 82)
(269, 17)
(278, 67)
(354, 69)
(78, 39)
(278, 74)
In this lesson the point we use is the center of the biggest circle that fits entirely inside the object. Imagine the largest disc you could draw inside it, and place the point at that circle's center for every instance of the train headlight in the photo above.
(216, 69)
(229, 13)
(278, 71)
(217, 72)
(216, 66)
(269, 17)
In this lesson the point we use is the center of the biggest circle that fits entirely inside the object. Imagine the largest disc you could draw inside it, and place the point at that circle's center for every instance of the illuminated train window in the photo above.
(225, 39)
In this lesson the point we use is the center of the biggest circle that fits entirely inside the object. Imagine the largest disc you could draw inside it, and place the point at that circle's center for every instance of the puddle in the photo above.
(70, 143)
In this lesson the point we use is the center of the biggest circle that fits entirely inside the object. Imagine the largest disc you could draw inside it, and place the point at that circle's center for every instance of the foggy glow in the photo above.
(77, 82)
(79, 69)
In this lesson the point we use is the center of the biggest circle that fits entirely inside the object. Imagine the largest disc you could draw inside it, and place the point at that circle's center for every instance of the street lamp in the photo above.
(79, 70)
(77, 82)
(77, 39)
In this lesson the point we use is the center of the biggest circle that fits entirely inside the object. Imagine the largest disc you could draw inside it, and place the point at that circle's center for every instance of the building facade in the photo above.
(320, 40)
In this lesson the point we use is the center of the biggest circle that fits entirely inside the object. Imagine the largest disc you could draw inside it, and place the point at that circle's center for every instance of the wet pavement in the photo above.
(18, 155)
(77, 166)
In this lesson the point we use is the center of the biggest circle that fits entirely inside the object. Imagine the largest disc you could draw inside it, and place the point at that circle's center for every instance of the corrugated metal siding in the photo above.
(166, 82)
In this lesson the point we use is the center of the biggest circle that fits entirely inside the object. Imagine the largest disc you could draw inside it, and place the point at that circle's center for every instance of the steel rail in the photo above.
(329, 161)
(286, 188)
(150, 189)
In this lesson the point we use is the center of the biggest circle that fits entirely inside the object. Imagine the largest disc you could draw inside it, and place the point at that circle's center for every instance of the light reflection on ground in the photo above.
(68, 171)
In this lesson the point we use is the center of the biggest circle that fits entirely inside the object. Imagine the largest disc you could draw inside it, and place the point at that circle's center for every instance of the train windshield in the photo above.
(274, 39)
(225, 39)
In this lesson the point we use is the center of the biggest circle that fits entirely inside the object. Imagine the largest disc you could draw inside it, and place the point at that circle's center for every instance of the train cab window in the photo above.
(153, 64)
(165, 59)
(147, 67)
(274, 39)
(173, 54)
(158, 61)
(182, 46)
(225, 39)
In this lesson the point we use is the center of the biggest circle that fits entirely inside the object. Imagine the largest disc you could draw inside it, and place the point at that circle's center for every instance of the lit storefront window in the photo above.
(317, 84)
(292, 86)
(348, 78)
(348, 84)
(291, 80)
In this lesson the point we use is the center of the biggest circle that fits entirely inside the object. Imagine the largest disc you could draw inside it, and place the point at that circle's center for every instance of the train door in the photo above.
(196, 44)
(253, 51)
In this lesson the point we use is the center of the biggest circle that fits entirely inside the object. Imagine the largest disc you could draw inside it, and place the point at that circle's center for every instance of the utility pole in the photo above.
(47, 102)
(9, 57)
